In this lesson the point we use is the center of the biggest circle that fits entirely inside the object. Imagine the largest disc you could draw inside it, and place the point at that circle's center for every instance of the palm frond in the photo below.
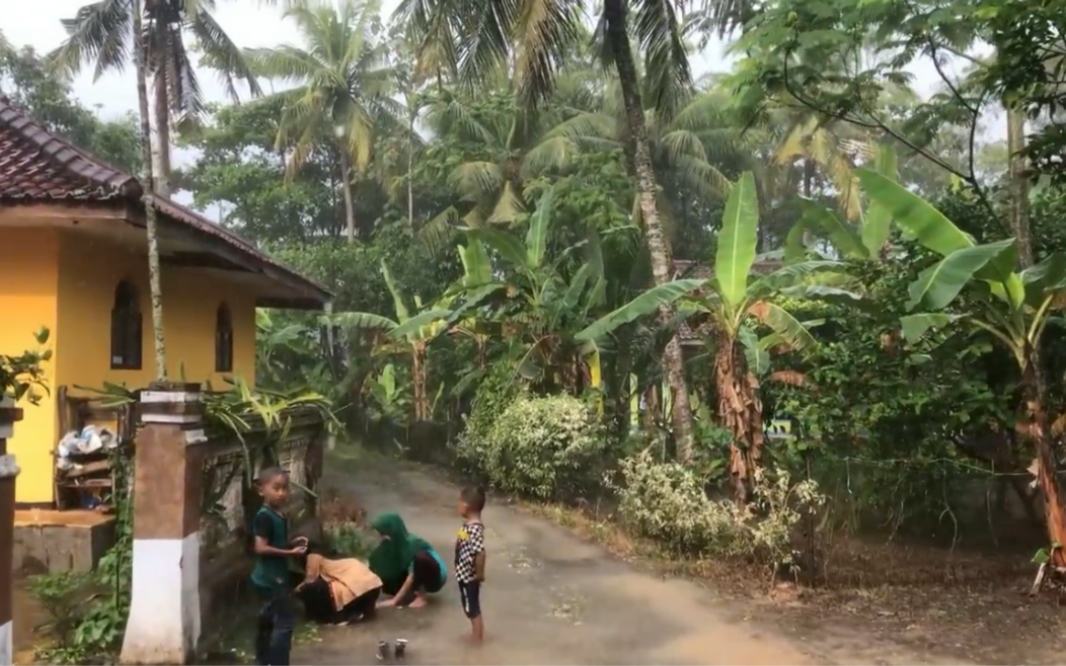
(286, 63)
(222, 54)
(92, 36)
(667, 78)
(476, 180)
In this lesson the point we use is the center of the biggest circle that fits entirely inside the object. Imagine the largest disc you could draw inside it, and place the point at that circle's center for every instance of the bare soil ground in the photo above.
(553, 596)
(879, 601)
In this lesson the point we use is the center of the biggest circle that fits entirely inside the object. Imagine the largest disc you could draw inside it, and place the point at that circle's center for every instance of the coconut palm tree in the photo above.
(104, 32)
(531, 39)
(101, 35)
(695, 152)
(344, 85)
(506, 147)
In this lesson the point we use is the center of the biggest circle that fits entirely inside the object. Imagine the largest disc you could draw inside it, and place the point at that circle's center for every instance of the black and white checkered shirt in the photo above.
(469, 544)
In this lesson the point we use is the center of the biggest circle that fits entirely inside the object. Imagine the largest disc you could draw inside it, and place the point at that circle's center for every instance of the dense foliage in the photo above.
(557, 272)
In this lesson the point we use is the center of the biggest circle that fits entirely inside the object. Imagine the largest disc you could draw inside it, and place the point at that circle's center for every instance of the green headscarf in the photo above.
(392, 559)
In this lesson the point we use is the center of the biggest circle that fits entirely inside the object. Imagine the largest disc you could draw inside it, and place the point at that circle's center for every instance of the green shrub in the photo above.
(544, 447)
(471, 449)
(346, 540)
(666, 502)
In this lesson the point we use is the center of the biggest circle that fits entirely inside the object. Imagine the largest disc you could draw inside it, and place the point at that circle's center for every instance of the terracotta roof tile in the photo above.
(37, 165)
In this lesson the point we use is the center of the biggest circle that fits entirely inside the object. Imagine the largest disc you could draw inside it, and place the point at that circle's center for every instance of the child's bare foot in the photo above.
(418, 602)
(477, 630)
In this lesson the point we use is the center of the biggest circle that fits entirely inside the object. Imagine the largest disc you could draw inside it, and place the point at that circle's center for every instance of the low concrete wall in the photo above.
(58, 541)
(229, 503)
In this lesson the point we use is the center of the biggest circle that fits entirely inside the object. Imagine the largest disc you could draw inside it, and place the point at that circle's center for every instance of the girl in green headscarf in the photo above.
(407, 565)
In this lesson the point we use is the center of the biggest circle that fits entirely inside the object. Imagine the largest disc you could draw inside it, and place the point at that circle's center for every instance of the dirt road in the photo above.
(549, 598)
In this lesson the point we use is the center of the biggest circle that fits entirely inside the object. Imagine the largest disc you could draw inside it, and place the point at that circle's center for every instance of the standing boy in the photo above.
(470, 557)
(273, 640)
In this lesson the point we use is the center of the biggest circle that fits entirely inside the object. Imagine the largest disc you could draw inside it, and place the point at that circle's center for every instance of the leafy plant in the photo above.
(242, 410)
(867, 240)
(409, 334)
(534, 304)
(496, 391)
(22, 376)
(1012, 308)
(346, 539)
(733, 302)
(390, 400)
(544, 447)
(666, 502)
(89, 610)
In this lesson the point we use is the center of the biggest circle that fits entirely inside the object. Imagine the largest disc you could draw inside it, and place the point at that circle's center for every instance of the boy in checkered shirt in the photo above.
(470, 557)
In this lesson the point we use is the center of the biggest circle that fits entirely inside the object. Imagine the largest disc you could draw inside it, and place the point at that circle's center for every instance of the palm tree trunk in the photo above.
(658, 247)
(148, 188)
(410, 167)
(346, 190)
(1019, 187)
(162, 167)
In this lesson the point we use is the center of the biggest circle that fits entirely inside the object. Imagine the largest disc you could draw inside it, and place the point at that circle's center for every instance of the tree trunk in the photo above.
(346, 190)
(1019, 187)
(658, 247)
(1033, 381)
(162, 166)
(148, 187)
(651, 408)
(1054, 512)
(808, 178)
(740, 412)
(410, 180)
(418, 379)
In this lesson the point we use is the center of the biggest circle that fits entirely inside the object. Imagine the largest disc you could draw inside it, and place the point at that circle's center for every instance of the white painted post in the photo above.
(9, 470)
(164, 624)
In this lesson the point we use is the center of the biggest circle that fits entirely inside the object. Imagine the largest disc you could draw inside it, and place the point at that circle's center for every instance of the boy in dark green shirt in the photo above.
(273, 640)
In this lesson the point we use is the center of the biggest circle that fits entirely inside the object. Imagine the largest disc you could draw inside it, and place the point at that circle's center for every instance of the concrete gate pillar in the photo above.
(9, 470)
(164, 622)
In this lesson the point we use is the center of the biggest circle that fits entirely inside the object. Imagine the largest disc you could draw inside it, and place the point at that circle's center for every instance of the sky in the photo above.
(37, 23)
(248, 24)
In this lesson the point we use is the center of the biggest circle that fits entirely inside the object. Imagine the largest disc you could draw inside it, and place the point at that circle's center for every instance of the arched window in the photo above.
(223, 340)
(126, 328)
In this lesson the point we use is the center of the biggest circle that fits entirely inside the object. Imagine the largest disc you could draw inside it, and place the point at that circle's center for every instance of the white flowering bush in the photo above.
(666, 502)
(543, 447)
(779, 505)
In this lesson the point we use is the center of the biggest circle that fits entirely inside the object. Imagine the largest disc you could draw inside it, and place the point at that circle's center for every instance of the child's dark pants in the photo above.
(273, 636)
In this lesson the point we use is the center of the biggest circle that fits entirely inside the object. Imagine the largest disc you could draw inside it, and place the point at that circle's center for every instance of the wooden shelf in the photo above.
(87, 483)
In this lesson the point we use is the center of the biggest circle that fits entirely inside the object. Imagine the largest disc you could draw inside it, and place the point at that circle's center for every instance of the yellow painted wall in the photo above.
(90, 271)
(29, 275)
(73, 282)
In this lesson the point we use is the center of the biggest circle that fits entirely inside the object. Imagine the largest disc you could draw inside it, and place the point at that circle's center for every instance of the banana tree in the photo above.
(407, 334)
(1012, 307)
(735, 303)
(867, 240)
(530, 300)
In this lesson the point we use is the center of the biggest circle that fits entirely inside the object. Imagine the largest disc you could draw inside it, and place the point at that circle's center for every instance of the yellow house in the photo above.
(73, 258)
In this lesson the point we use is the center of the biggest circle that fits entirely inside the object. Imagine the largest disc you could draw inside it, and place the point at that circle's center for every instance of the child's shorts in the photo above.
(470, 594)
